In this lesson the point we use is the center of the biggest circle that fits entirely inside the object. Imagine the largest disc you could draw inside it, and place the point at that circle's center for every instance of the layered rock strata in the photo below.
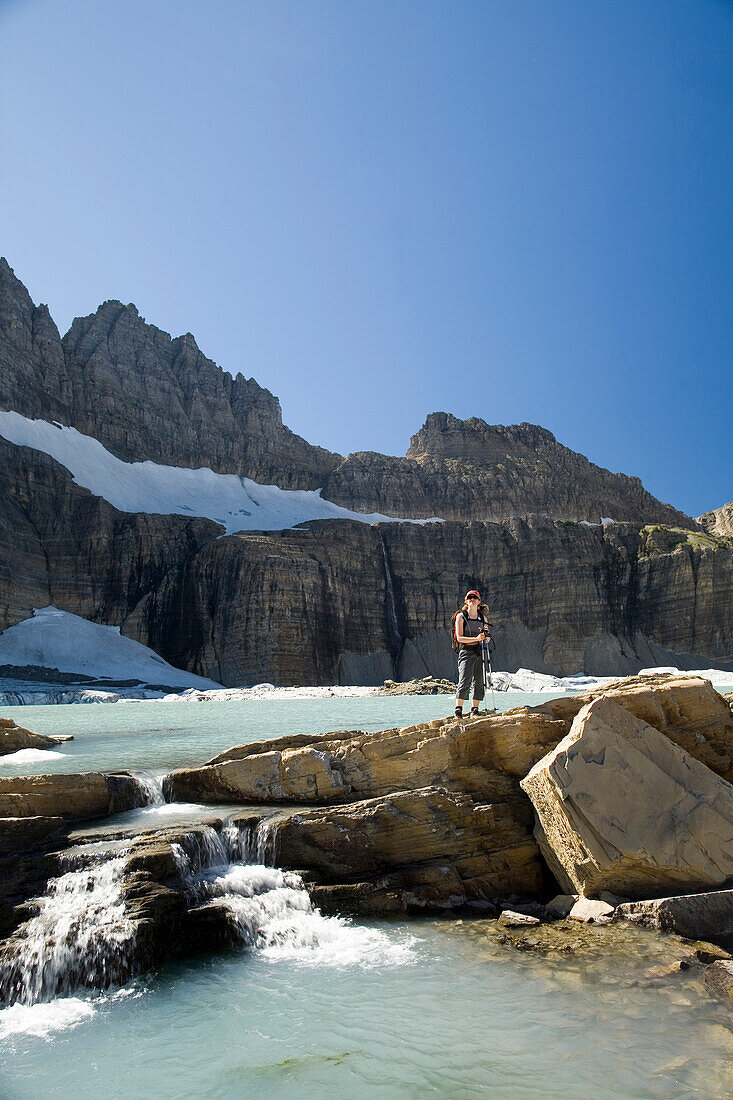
(419, 849)
(73, 797)
(621, 808)
(371, 600)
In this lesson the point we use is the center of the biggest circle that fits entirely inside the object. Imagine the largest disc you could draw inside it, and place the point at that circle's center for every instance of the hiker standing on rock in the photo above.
(471, 628)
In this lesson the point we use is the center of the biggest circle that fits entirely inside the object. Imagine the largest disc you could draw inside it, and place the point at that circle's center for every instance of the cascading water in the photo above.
(271, 909)
(392, 620)
(79, 937)
(153, 786)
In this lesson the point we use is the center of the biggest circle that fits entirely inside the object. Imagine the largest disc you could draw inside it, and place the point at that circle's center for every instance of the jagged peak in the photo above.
(447, 436)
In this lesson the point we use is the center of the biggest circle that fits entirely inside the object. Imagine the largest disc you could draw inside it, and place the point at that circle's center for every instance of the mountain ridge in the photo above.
(147, 395)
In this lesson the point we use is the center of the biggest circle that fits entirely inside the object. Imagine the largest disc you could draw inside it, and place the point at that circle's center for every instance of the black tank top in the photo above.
(471, 629)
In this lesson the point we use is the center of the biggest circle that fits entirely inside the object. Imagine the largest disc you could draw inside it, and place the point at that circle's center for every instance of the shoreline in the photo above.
(45, 693)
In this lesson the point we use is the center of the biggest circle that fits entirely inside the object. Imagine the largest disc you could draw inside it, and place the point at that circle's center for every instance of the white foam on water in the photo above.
(43, 1020)
(167, 809)
(30, 756)
(276, 918)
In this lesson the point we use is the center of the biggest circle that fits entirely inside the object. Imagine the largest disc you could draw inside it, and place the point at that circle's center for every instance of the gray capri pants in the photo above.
(470, 667)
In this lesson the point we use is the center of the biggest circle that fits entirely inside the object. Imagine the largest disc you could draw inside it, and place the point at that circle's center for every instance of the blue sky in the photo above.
(515, 210)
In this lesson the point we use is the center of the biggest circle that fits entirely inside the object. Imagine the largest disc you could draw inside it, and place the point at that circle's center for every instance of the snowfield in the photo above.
(59, 640)
(237, 503)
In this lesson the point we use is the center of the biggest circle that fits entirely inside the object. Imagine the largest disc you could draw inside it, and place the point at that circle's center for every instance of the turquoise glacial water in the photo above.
(331, 1008)
(426, 1008)
(158, 736)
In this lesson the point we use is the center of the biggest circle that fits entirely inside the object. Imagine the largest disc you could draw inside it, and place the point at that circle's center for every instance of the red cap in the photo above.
(472, 592)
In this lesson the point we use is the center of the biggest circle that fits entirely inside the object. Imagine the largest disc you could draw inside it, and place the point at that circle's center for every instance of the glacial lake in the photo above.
(335, 1008)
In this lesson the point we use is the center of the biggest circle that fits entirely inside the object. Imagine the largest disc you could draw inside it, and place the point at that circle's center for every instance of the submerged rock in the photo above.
(622, 808)
(719, 978)
(13, 738)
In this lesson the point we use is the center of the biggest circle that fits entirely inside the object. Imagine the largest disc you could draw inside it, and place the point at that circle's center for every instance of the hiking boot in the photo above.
(459, 712)
(474, 712)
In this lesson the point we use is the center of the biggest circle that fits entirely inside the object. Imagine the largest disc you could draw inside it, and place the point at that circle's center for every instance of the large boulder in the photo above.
(74, 797)
(687, 709)
(621, 808)
(424, 849)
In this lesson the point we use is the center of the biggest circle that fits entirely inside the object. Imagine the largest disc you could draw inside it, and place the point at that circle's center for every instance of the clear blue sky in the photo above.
(516, 209)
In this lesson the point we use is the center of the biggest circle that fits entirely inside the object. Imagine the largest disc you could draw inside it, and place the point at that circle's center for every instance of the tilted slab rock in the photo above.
(485, 756)
(697, 916)
(427, 848)
(622, 808)
(74, 797)
(687, 709)
(14, 737)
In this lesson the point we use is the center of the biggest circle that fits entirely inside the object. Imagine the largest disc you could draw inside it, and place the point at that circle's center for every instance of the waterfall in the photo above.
(80, 936)
(252, 843)
(392, 622)
(153, 787)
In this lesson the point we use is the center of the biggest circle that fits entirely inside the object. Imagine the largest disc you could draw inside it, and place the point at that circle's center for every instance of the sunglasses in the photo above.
(471, 598)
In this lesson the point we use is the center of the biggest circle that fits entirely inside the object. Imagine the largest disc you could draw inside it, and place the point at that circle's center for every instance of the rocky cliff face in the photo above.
(719, 521)
(145, 395)
(355, 604)
(344, 601)
(336, 600)
(470, 470)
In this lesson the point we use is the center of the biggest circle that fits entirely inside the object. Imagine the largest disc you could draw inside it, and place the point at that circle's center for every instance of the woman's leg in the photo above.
(465, 669)
(478, 681)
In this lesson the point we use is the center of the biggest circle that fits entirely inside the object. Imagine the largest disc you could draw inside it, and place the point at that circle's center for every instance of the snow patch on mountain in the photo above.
(237, 503)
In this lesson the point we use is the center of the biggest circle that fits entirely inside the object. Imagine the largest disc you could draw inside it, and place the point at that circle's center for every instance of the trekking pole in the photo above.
(485, 671)
(491, 686)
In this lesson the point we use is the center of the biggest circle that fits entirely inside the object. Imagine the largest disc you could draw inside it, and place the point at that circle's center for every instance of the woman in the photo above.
(471, 629)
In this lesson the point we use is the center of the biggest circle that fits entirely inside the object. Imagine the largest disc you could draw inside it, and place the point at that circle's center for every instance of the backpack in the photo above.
(460, 611)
